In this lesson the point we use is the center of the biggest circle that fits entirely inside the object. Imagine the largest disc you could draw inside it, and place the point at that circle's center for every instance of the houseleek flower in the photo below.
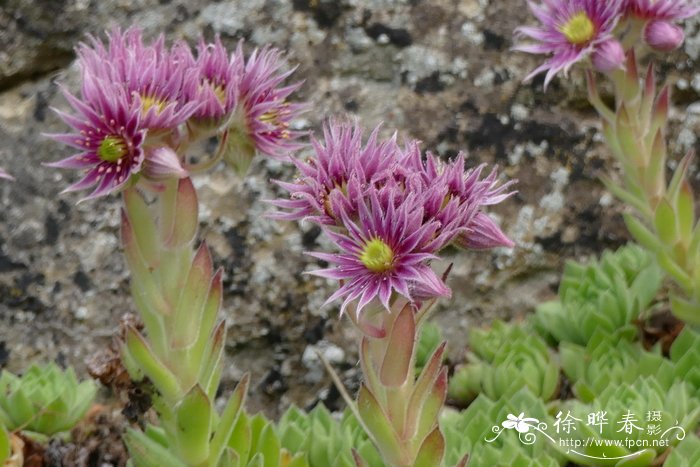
(570, 32)
(261, 121)
(151, 75)
(215, 87)
(666, 10)
(389, 212)
(107, 134)
(387, 249)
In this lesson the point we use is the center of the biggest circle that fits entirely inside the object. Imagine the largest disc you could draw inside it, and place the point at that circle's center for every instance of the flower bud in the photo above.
(608, 56)
(163, 163)
(663, 36)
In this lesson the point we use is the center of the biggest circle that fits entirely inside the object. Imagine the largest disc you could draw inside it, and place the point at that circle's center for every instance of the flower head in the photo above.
(215, 83)
(263, 117)
(454, 196)
(570, 31)
(151, 75)
(386, 249)
(107, 134)
(667, 10)
(390, 211)
(340, 157)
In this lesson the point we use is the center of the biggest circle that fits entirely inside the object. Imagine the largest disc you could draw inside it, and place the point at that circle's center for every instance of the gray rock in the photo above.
(456, 86)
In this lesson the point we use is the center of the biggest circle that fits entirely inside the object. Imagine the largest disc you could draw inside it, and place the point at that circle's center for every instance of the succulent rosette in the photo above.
(571, 31)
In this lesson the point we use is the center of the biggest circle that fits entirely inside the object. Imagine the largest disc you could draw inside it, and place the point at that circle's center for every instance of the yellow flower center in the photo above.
(152, 102)
(274, 118)
(579, 29)
(220, 93)
(112, 148)
(377, 256)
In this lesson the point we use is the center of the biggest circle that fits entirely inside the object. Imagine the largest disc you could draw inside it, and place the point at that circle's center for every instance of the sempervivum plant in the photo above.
(506, 358)
(251, 442)
(607, 295)
(44, 399)
(686, 454)
(325, 440)
(479, 432)
(611, 360)
(685, 355)
(635, 417)
(614, 359)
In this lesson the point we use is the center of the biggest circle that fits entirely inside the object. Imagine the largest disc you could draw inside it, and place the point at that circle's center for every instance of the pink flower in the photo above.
(107, 134)
(570, 31)
(215, 84)
(667, 10)
(389, 211)
(151, 75)
(386, 249)
(339, 157)
(608, 56)
(267, 111)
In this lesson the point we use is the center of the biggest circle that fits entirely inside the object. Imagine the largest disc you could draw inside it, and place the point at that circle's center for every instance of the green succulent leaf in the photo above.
(506, 358)
(147, 452)
(5, 446)
(429, 339)
(193, 418)
(686, 454)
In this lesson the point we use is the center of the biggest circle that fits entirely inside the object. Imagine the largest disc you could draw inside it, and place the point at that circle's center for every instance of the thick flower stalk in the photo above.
(635, 127)
(389, 212)
(178, 295)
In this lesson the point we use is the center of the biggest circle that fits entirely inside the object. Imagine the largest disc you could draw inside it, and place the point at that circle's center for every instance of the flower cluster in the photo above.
(389, 211)
(141, 105)
(572, 31)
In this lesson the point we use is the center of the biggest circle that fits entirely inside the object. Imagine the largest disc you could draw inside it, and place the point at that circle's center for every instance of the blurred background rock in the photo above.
(439, 70)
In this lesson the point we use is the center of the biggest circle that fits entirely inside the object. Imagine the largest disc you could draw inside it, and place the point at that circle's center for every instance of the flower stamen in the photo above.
(152, 102)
